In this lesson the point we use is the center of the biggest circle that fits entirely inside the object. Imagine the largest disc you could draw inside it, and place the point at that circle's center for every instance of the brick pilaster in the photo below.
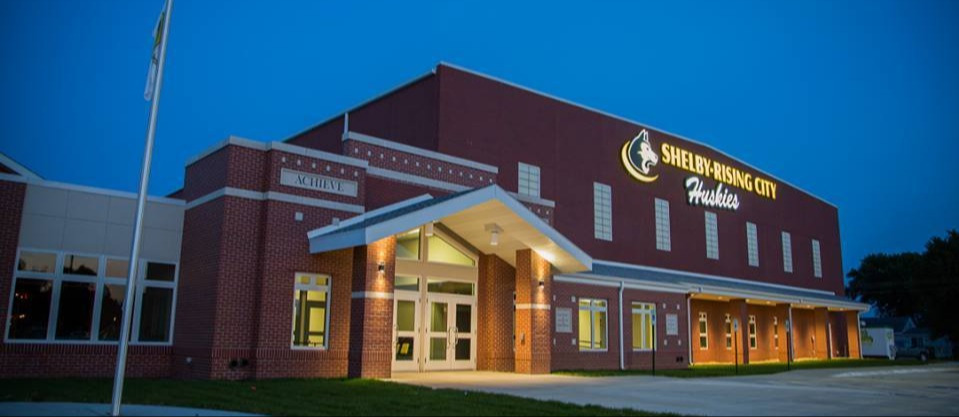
(497, 281)
(371, 312)
(534, 331)
(741, 311)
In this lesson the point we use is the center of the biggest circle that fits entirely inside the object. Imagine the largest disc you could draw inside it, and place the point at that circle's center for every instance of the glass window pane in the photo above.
(463, 349)
(405, 316)
(464, 318)
(75, 315)
(408, 245)
(438, 348)
(80, 265)
(406, 283)
(309, 318)
(585, 329)
(117, 268)
(638, 331)
(442, 251)
(599, 303)
(161, 272)
(37, 262)
(449, 287)
(438, 317)
(155, 314)
(599, 330)
(404, 348)
(31, 309)
(111, 311)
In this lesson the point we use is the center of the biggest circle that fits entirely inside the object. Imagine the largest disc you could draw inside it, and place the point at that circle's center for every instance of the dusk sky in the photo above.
(856, 102)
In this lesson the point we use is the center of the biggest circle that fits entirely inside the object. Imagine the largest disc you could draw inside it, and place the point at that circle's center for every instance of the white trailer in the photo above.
(878, 342)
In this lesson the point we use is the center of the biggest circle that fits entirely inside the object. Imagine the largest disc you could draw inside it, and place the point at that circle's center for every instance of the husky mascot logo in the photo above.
(639, 157)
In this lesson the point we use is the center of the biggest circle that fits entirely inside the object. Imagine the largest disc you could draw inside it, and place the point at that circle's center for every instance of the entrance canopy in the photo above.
(473, 215)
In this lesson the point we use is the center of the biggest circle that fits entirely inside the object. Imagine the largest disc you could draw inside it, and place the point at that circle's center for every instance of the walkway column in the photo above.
(371, 310)
(741, 310)
(534, 331)
(852, 334)
(821, 317)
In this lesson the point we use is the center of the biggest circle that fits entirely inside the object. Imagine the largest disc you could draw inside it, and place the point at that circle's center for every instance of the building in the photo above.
(911, 340)
(456, 222)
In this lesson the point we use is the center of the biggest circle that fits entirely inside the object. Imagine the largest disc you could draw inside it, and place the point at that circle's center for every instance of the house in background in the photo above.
(910, 339)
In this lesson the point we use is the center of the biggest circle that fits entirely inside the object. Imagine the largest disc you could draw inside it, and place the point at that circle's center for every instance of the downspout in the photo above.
(689, 328)
(792, 328)
(622, 313)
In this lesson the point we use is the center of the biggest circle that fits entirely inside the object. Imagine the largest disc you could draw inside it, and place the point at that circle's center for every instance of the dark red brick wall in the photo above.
(11, 211)
(534, 324)
(371, 330)
(87, 361)
(383, 192)
(809, 334)
(327, 136)
(494, 336)
(671, 353)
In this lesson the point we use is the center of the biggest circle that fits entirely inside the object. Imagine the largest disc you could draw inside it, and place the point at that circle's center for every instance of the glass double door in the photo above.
(434, 332)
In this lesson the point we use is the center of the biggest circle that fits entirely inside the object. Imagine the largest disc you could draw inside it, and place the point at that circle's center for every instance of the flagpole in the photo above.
(124, 341)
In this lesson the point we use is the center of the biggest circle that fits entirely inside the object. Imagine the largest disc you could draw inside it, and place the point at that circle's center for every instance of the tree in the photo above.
(922, 286)
(888, 282)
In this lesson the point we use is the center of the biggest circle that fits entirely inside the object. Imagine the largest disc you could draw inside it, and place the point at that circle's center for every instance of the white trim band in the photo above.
(279, 146)
(275, 196)
(415, 179)
(385, 143)
(533, 307)
(374, 295)
(87, 189)
(17, 167)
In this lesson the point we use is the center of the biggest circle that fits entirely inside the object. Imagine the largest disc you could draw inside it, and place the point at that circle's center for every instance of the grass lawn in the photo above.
(704, 371)
(296, 397)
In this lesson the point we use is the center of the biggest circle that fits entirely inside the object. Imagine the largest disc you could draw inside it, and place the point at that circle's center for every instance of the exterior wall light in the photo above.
(381, 267)
(542, 283)
(494, 231)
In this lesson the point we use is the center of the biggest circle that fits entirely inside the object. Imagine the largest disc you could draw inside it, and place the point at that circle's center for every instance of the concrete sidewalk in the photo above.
(90, 409)
(923, 390)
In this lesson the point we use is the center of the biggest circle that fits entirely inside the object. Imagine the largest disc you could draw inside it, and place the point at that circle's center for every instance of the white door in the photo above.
(407, 343)
(450, 333)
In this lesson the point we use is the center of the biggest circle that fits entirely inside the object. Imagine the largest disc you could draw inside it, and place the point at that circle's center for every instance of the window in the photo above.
(445, 286)
(787, 252)
(406, 283)
(752, 332)
(663, 242)
(816, 259)
(592, 324)
(311, 310)
(644, 330)
(80, 298)
(408, 245)
(776, 332)
(752, 244)
(441, 250)
(712, 236)
(703, 332)
(729, 332)
(602, 211)
(528, 180)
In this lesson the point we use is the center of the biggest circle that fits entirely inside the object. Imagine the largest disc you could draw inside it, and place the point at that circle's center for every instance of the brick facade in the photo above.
(495, 312)
(534, 331)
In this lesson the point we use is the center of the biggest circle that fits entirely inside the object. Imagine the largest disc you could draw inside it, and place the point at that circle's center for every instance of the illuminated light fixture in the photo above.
(429, 229)
(381, 267)
(494, 231)
(542, 283)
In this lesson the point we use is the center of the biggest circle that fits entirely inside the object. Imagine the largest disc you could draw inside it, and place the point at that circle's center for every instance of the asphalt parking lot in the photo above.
(922, 390)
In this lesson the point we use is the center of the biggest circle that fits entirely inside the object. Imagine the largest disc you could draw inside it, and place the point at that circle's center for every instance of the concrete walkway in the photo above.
(924, 390)
(85, 409)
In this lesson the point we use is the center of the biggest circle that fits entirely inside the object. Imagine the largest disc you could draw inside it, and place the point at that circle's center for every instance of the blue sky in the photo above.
(856, 101)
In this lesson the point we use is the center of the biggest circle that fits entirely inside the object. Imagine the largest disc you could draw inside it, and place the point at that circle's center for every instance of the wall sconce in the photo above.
(381, 267)
(494, 231)
(542, 284)
(429, 229)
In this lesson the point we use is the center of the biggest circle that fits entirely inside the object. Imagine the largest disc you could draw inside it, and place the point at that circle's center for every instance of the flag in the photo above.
(155, 57)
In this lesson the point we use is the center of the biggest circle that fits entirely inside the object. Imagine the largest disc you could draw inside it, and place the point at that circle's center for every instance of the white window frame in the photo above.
(776, 332)
(787, 252)
(312, 286)
(712, 235)
(594, 308)
(816, 258)
(602, 211)
(752, 244)
(728, 329)
(645, 315)
(528, 180)
(100, 281)
(703, 319)
(753, 329)
(663, 237)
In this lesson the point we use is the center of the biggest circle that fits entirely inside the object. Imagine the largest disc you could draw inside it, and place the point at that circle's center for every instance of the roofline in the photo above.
(624, 119)
(88, 189)
(18, 167)
(278, 146)
(363, 103)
